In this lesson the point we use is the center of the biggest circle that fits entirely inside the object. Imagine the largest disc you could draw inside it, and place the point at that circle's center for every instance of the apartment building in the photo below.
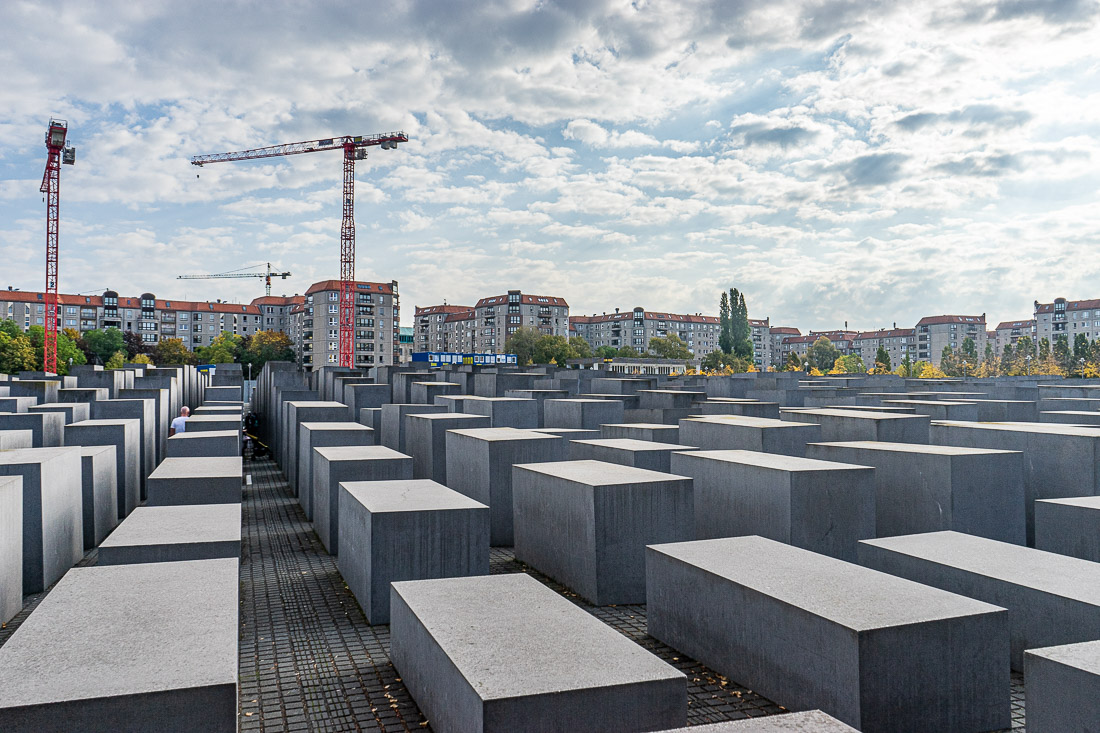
(777, 350)
(1069, 317)
(498, 317)
(936, 332)
(196, 323)
(1008, 333)
(898, 342)
(458, 332)
(760, 333)
(431, 332)
(844, 341)
(636, 327)
(314, 324)
(275, 310)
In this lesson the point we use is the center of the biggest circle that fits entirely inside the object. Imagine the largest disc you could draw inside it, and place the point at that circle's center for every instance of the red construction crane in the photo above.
(355, 148)
(57, 154)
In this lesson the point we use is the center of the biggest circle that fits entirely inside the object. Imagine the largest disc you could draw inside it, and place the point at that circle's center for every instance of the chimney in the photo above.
(895, 325)
(845, 325)
(616, 310)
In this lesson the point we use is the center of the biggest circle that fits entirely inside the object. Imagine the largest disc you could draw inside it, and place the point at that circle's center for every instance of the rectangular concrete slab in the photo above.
(848, 425)
(479, 465)
(581, 414)
(12, 439)
(320, 435)
(642, 431)
(407, 530)
(645, 454)
(52, 520)
(394, 424)
(124, 436)
(72, 411)
(175, 533)
(822, 506)
(810, 721)
(1052, 599)
(163, 655)
(335, 464)
(99, 489)
(928, 488)
(209, 480)
(505, 653)
(47, 428)
(426, 440)
(586, 523)
(11, 547)
(1063, 688)
(506, 412)
(808, 631)
(735, 432)
(1069, 527)
(204, 444)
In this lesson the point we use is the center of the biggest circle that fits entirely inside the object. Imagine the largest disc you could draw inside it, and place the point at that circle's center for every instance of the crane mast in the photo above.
(266, 275)
(57, 153)
(354, 147)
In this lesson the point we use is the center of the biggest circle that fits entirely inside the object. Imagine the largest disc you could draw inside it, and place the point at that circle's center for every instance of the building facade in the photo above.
(430, 330)
(1068, 317)
(898, 342)
(933, 333)
(196, 323)
(499, 316)
(1008, 333)
(636, 327)
(314, 325)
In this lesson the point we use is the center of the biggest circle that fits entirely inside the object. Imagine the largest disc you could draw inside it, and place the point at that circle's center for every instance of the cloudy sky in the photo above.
(867, 162)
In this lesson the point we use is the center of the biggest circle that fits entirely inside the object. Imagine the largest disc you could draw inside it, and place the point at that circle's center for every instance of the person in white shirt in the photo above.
(179, 425)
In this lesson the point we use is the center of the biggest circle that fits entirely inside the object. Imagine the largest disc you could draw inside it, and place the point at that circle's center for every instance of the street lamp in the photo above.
(1028, 359)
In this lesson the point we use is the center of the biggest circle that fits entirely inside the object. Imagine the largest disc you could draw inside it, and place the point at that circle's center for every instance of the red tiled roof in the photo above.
(31, 296)
(430, 310)
(1016, 324)
(460, 316)
(279, 300)
(27, 296)
(1072, 305)
(361, 286)
(786, 330)
(885, 333)
(525, 299)
(938, 320)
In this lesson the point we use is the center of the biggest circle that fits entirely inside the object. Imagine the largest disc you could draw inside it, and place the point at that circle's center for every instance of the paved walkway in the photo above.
(310, 662)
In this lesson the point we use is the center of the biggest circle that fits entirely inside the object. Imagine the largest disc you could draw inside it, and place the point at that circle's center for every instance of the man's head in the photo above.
(185, 411)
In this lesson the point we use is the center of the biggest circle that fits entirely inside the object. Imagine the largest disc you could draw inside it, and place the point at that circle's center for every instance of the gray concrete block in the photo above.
(657, 432)
(17, 404)
(11, 547)
(1069, 527)
(53, 532)
(738, 406)
(855, 424)
(407, 530)
(213, 422)
(372, 418)
(71, 411)
(162, 414)
(479, 465)
(809, 631)
(83, 394)
(297, 413)
(539, 396)
(394, 424)
(204, 443)
(457, 402)
(1006, 410)
(582, 414)
(487, 384)
(735, 432)
(12, 439)
(424, 393)
(502, 653)
(335, 464)
(124, 436)
(1071, 417)
(47, 428)
(99, 491)
(426, 440)
(1052, 599)
(137, 409)
(645, 454)
(1063, 688)
(163, 655)
(43, 390)
(174, 534)
(223, 393)
(811, 721)
(821, 506)
(938, 409)
(321, 435)
(506, 412)
(1060, 461)
(928, 488)
(207, 480)
(586, 523)
(361, 396)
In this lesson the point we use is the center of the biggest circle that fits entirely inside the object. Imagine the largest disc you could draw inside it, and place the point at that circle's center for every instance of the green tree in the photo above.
(725, 324)
(607, 352)
(670, 347)
(135, 345)
(950, 362)
(717, 360)
(849, 364)
(172, 351)
(16, 352)
(882, 356)
(1008, 360)
(582, 347)
(66, 350)
(105, 343)
(522, 344)
(989, 355)
(822, 354)
(224, 349)
(1044, 348)
(1063, 357)
(553, 348)
(143, 359)
(1080, 347)
(117, 360)
(795, 362)
(628, 352)
(264, 346)
(739, 326)
(970, 350)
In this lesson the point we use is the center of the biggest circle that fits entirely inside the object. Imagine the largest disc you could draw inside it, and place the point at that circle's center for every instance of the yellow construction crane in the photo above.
(237, 273)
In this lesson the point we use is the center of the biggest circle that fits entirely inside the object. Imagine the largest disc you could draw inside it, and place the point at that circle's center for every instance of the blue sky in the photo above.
(859, 162)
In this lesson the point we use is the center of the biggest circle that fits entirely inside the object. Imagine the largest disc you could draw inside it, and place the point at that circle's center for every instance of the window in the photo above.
(183, 316)
(334, 296)
(334, 308)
